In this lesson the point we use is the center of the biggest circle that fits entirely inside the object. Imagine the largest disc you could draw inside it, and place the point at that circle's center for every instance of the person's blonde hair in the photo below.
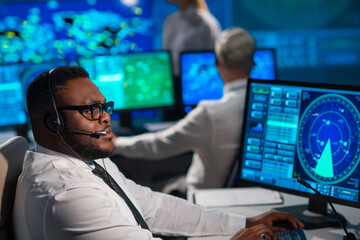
(234, 49)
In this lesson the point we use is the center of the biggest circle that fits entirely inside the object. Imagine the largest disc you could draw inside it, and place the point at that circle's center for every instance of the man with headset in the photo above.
(69, 188)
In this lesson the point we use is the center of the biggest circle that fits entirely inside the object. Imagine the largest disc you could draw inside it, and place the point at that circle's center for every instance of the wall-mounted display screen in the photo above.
(38, 31)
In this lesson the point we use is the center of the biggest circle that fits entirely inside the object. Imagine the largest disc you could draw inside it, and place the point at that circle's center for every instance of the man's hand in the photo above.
(269, 218)
(253, 233)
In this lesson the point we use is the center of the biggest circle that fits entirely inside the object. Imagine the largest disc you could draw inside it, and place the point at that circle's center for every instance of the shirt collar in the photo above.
(189, 10)
(78, 162)
(235, 85)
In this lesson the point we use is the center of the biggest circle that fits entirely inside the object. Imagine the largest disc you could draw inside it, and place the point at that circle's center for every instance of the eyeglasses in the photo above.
(93, 111)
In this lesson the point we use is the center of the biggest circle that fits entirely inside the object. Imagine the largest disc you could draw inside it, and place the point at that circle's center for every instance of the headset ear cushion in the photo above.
(51, 122)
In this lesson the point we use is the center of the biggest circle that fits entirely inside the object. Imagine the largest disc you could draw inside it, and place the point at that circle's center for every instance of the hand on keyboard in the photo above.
(253, 232)
(297, 234)
(271, 218)
(269, 221)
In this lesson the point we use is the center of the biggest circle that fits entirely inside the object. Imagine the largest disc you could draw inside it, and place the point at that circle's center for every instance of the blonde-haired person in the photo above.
(212, 130)
(190, 28)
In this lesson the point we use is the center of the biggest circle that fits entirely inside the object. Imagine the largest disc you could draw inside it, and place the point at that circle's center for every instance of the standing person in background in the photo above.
(192, 27)
(212, 130)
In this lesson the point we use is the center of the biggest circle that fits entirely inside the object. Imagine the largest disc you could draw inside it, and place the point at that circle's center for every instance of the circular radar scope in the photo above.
(328, 146)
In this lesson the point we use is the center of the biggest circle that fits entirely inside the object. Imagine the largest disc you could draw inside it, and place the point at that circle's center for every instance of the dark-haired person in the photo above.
(69, 189)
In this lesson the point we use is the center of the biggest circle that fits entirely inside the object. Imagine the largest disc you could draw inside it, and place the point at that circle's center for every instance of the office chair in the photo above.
(11, 159)
(229, 182)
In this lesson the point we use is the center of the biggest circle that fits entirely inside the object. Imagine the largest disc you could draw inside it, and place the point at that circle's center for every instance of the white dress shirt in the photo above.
(188, 30)
(58, 197)
(212, 131)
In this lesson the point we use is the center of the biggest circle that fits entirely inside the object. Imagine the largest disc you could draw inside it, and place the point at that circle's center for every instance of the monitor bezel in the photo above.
(129, 110)
(241, 182)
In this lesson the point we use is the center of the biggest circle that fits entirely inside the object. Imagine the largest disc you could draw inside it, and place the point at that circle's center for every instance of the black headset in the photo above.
(53, 120)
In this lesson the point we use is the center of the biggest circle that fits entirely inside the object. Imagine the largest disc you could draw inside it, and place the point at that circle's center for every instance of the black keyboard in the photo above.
(297, 234)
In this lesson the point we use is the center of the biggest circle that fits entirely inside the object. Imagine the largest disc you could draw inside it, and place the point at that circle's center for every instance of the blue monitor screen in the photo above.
(12, 111)
(201, 80)
(265, 64)
(38, 31)
(14, 80)
(134, 80)
(302, 130)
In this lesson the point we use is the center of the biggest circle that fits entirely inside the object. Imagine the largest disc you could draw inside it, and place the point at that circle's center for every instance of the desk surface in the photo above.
(351, 214)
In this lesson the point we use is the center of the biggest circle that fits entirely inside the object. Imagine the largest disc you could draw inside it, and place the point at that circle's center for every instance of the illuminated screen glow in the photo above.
(201, 80)
(38, 31)
(302, 130)
(315, 45)
(134, 80)
(14, 80)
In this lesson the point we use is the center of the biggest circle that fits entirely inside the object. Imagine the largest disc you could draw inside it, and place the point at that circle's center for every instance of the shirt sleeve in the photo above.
(86, 213)
(171, 216)
(190, 133)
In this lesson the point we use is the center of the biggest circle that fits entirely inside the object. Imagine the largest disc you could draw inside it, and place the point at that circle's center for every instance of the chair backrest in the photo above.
(231, 177)
(11, 159)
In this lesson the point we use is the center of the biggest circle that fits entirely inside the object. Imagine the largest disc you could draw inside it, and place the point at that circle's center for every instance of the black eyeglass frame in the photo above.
(103, 107)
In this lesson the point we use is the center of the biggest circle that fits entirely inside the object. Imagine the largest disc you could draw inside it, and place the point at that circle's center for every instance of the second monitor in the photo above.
(201, 80)
(133, 80)
(14, 81)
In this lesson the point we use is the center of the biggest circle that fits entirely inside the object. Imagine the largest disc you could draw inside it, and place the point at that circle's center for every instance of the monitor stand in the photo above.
(314, 215)
(125, 124)
(22, 130)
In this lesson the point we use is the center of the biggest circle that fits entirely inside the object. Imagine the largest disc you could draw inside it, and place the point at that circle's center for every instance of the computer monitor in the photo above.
(12, 109)
(133, 81)
(201, 80)
(33, 30)
(14, 80)
(307, 130)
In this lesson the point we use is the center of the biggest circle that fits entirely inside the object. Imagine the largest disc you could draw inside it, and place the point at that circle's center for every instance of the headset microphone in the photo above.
(92, 133)
(348, 235)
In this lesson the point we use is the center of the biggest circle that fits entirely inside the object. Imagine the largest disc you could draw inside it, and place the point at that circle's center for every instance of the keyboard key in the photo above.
(297, 234)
